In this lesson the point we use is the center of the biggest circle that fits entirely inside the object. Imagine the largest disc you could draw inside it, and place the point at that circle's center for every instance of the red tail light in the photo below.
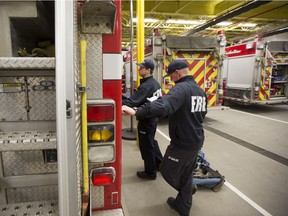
(100, 113)
(103, 176)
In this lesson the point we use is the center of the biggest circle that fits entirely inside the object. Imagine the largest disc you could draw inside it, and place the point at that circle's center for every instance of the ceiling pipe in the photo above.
(239, 10)
(264, 33)
(275, 32)
(257, 15)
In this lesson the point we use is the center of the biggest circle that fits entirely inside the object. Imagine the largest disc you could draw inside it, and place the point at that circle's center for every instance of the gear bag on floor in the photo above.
(205, 176)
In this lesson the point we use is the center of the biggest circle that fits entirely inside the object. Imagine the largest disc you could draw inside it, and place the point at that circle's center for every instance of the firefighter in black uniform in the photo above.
(148, 91)
(186, 106)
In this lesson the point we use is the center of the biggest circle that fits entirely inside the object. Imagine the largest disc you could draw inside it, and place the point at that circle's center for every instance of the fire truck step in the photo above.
(30, 208)
(27, 63)
(114, 212)
(27, 140)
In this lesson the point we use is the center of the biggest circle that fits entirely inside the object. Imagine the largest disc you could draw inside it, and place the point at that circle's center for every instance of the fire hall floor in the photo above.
(247, 145)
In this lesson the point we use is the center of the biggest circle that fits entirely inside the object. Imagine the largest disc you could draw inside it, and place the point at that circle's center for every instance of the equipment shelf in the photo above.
(27, 63)
(27, 66)
(27, 140)
(279, 82)
(30, 208)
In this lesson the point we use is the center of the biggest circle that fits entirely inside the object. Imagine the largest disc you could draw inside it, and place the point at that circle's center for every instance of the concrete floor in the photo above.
(256, 182)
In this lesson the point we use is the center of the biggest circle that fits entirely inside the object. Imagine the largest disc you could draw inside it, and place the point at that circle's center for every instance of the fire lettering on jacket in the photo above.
(198, 104)
(155, 96)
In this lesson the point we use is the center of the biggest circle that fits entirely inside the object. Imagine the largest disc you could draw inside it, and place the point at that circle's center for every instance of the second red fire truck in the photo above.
(256, 72)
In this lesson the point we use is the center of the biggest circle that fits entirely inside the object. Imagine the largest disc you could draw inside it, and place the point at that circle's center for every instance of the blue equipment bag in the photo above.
(205, 176)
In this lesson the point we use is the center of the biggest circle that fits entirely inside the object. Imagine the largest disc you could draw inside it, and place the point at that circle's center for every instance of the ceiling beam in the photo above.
(183, 7)
(155, 7)
(239, 10)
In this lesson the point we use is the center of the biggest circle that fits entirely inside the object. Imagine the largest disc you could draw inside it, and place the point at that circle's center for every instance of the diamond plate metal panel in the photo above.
(26, 63)
(27, 140)
(30, 194)
(42, 102)
(77, 111)
(98, 17)
(79, 157)
(15, 146)
(17, 163)
(30, 208)
(12, 105)
(94, 65)
(97, 25)
(96, 196)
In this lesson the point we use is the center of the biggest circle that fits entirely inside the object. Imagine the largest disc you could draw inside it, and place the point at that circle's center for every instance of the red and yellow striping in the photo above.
(265, 82)
(204, 69)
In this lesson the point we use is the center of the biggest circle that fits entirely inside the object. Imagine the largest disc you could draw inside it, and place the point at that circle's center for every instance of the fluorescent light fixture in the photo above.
(147, 20)
(247, 24)
(184, 22)
(224, 23)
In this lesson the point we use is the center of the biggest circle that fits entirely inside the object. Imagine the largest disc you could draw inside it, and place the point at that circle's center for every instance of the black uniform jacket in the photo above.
(186, 106)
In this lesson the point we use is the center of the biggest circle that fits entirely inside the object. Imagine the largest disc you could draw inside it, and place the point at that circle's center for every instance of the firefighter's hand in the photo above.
(128, 110)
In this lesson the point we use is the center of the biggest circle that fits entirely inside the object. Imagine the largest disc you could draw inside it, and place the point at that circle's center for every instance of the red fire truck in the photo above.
(60, 114)
(256, 72)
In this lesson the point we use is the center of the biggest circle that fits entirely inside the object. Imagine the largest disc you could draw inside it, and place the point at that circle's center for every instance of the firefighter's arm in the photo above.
(126, 110)
(173, 100)
(150, 110)
(141, 111)
(137, 99)
(162, 107)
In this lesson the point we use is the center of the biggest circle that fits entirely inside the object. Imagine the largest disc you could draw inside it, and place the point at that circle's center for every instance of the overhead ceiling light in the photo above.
(184, 22)
(247, 24)
(224, 23)
(147, 20)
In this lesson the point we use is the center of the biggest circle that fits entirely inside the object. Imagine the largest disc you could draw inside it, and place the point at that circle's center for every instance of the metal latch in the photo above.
(80, 88)
(68, 109)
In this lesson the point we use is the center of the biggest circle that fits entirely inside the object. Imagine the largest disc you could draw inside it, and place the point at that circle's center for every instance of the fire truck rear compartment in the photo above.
(28, 138)
(28, 157)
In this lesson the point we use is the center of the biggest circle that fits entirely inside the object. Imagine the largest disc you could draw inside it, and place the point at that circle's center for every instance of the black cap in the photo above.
(147, 63)
(177, 64)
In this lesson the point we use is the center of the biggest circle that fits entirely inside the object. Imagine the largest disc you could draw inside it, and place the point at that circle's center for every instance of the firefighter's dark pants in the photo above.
(149, 147)
(177, 169)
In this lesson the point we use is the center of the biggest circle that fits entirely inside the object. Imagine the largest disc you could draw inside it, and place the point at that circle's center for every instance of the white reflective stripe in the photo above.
(113, 212)
(248, 200)
(112, 66)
